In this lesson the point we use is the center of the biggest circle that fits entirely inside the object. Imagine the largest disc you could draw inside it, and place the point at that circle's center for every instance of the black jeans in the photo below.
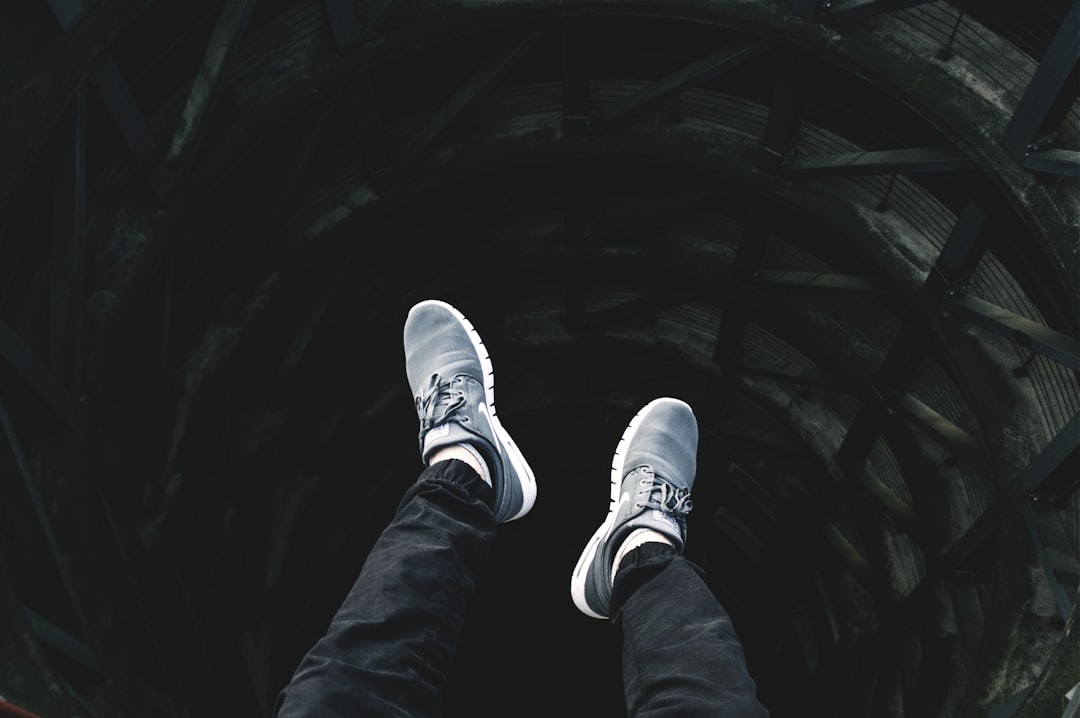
(389, 647)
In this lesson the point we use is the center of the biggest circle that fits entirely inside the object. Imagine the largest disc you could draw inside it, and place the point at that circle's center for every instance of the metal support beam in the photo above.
(68, 217)
(71, 13)
(575, 59)
(1054, 548)
(298, 158)
(128, 476)
(1009, 706)
(748, 258)
(972, 553)
(841, 11)
(790, 374)
(842, 285)
(785, 114)
(133, 126)
(483, 80)
(1043, 479)
(207, 267)
(575, 235)
(973, 542)
(963, 249)
(343, 23)
(881, 162)
(25, 510)
(347, 32)
(576, 124)
(203, 98)
(809, 9)
(70, 647)
(378, 13)
(370, 126)
(1055, 161)
(897, 368)
(773, 444)
(290, 173)
(135, 594)
(1055, 553)
(161, 344)
(962, 446)
(32, 381)
(62, 642)
(634, 309)
(694, 74)
(1025, 332)
(1048, 96)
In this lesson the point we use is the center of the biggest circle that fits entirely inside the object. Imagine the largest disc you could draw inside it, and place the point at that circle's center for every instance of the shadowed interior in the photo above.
(845, 233)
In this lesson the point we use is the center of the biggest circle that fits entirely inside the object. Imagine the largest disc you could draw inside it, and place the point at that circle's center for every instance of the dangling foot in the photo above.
(453, 385)
(651, 475)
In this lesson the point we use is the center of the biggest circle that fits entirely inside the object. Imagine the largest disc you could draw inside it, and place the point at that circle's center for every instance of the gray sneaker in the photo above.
(451, 378)
(651, 475)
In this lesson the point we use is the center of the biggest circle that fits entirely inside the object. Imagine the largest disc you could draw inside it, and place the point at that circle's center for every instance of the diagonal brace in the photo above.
(877, 162)
(206, 89)
(1025, 332)
(482, 81)
(696, 73)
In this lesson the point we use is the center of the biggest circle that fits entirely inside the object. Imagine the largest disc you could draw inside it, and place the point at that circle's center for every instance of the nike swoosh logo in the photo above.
(482, 409)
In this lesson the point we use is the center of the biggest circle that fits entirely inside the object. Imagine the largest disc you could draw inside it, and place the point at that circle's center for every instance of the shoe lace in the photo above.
(663, 495)
(437, 401)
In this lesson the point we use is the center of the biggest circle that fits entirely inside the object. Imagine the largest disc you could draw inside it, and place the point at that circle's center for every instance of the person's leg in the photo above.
(389, 647)
(681, 656)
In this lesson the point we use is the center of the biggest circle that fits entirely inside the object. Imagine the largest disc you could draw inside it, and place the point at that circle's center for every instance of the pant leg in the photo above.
(388, 649)
(681, 656)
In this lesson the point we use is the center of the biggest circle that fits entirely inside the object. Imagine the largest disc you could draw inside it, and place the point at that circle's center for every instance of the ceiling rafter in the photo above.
(818, 283)
(575, 125)
(785, 114)
(377, 15)
(25, 514)
(1032, 335)
(482, 81)
(958, 257)
(133, 126)
(1040, 479)
(835, 12)
(24, 371)
(964, 448)
(880, 162)
(692, 75)
(1034, 124)
(68, 257)
(206, 89)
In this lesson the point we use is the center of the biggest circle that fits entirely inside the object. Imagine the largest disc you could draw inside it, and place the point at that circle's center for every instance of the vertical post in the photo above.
(781, 128)
(68, 216)
(575, 54)
(205, 91)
